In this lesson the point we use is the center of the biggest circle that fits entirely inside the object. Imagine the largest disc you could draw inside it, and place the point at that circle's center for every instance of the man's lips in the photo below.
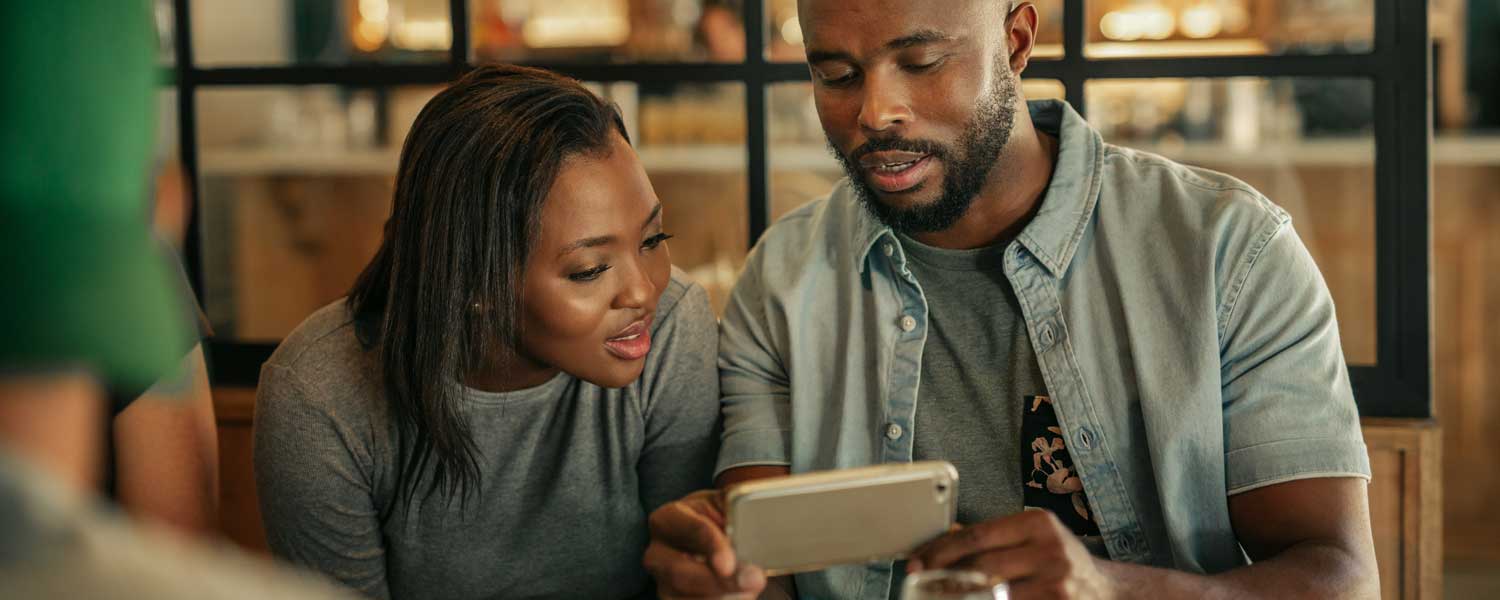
(895, 171)
(633, 342)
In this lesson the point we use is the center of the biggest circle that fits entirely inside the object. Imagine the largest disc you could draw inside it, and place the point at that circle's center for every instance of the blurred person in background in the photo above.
(89, 306)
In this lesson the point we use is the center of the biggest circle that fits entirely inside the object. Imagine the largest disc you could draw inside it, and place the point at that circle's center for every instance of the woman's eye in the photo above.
(656, 240)
(590, 274)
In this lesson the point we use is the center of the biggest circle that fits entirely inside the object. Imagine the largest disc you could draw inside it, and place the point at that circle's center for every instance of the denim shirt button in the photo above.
(908, 323)
(888, 248)
(1047, 336)
(1127, 543)
(1086, 439)
(893, 431)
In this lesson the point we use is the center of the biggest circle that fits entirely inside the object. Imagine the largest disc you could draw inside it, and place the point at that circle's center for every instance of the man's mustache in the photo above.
(898, 144)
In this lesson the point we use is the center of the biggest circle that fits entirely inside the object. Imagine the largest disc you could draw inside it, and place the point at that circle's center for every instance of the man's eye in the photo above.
(927, 66)
(656, 240)
(836, 78)
(590, 274)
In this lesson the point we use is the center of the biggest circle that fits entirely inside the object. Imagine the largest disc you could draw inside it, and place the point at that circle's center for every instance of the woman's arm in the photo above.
(312, 474)
(166, 452)
(681, 403)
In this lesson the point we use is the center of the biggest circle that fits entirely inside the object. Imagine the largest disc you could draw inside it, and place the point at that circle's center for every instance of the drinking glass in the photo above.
(953, 585)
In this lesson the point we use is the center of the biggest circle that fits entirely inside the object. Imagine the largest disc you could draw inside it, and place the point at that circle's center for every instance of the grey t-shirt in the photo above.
(978, 367)
(570, 470)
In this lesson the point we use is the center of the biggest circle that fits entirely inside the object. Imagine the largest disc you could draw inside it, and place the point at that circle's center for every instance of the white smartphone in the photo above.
(817, 520)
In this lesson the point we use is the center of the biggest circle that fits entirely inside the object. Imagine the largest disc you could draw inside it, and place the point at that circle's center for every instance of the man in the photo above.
(88, 306)
(1143, 350)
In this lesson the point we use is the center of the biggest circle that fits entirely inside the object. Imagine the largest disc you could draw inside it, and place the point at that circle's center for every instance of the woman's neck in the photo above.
(508, 375)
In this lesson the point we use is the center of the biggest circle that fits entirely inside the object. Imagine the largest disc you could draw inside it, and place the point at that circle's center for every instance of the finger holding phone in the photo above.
(1033, 551)
(690, 555)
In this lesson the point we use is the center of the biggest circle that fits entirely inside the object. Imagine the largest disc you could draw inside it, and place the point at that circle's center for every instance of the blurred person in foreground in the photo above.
(162, 447)
(1142, 350)
(89, 306)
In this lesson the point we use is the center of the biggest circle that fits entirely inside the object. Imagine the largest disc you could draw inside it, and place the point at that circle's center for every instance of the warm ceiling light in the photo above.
(1152, 21)
(425, 34)
(576, 24)
(378, 11)
(791, 31)
(1201, 21)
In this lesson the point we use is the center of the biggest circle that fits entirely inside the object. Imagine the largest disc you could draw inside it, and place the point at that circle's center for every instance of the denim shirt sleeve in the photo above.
(1289, 410)
(754, 385)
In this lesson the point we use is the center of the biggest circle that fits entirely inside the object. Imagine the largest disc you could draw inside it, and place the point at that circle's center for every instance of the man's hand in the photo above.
(1033, 552)
(690, 556)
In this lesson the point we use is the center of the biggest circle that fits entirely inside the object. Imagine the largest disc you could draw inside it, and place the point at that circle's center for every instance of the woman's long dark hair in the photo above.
(441, 296)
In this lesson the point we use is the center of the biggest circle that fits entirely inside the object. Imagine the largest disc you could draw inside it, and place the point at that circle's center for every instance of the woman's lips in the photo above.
(898, 173)
(633, 343)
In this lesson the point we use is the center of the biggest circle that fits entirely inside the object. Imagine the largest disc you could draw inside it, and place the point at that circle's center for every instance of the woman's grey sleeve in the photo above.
(312, 476)
(681, 403)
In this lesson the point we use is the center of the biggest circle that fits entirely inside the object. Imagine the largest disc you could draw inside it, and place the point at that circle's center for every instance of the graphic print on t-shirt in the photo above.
(1047, 469)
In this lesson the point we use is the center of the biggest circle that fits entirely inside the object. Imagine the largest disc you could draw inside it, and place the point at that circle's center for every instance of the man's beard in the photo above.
(964, 172)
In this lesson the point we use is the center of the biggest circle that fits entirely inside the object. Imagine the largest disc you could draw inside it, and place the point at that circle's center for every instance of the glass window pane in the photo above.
(691, 140)
(1306, 143)
(784, 32)
(607, 31)
(1049, 32)
(802, 168)
(1133, 28)
(296, 184)
(322, 32)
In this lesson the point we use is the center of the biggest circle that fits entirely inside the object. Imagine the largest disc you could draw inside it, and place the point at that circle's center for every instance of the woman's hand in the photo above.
(690, 556)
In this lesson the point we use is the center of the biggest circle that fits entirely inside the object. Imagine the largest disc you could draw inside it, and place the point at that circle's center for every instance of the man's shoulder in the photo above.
(812, 238)
(1139, 186)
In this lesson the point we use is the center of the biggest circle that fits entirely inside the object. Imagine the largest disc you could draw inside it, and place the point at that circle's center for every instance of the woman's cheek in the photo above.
(566, 314)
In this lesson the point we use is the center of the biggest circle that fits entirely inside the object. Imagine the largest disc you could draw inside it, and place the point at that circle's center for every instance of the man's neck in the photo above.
(1010, 198)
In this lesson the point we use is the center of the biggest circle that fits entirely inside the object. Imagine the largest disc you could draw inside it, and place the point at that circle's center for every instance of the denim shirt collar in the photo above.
(1067, 206)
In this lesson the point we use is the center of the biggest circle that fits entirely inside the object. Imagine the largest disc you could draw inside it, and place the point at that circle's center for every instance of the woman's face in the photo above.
(599, 265)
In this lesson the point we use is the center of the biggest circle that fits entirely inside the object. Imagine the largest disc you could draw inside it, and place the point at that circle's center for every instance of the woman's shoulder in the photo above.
(323, 358)
(326, 335)
(684, 303)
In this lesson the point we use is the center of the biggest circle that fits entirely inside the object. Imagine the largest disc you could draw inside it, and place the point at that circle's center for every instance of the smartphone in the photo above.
(817, 520)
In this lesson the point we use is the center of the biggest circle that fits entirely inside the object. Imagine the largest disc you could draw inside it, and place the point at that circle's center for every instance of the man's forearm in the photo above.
(1308, 570)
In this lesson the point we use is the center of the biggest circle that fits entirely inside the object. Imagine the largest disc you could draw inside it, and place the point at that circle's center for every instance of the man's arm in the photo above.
(1308, 538)
(166, 452)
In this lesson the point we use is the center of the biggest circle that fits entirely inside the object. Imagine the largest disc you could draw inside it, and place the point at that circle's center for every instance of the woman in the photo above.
(517, 378)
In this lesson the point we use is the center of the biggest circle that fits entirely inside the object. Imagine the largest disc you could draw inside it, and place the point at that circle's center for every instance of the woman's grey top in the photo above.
(570, 470)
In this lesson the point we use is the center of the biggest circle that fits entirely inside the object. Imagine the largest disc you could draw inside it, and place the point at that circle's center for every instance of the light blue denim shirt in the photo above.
(1185, 335)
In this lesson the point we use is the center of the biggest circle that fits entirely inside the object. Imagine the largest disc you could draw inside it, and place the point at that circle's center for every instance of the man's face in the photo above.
(917, 100)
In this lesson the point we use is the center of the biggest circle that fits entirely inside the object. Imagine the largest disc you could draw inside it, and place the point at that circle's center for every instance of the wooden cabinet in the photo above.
(1406, 506)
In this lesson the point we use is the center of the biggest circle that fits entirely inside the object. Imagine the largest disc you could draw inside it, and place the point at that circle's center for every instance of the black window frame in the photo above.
(1399, 67)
